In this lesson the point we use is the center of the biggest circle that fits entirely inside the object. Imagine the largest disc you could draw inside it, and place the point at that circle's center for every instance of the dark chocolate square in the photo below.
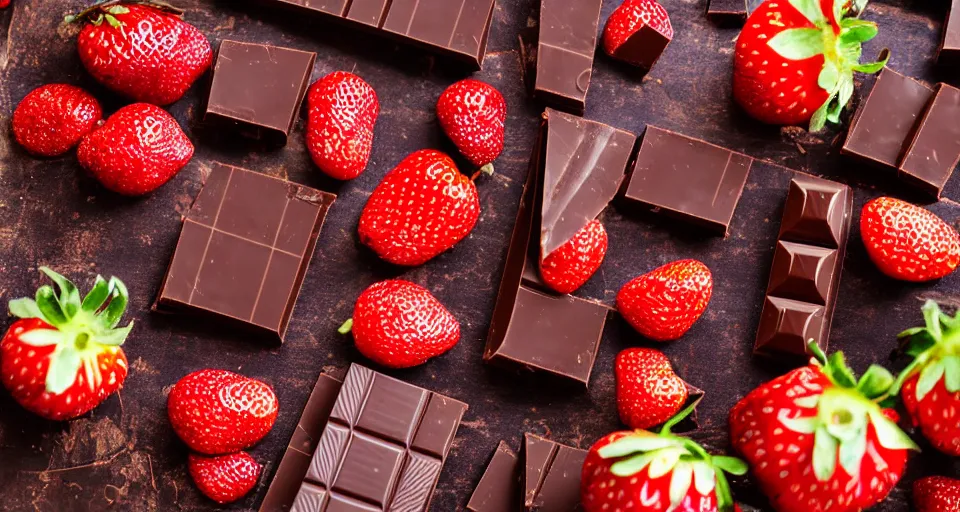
(228, 280)
(437, 427)
(566, 44)
(369, 469)
(551, 476)
(815, 213)
(310, 498)
(789, 326)
(643, 47)
(949, 52)
(340, 503)
(935, 148)
(727, 12)
(392, 409)
(802, 272)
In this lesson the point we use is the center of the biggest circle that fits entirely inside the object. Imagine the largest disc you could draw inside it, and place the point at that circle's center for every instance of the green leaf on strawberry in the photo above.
(936, 351)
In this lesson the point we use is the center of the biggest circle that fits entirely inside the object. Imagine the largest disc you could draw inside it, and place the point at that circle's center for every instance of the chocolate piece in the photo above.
(643, 47)
(949, 53)
(727, 12)
(688, 178)
(383, 447)
(244, 249)
(454, 28)
(293, 466)
(881, 128)
(935, 148)
(259, 88)
(551, 475)
(805, 276)
(568, 38)
(499, 487)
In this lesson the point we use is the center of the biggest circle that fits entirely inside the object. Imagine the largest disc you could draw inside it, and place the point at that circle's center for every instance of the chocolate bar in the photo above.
(805, 275)
(258, 89)
(244, 249)
(382, 448)
(935, 147)
(568, 38)
(727, 12)
(499, 487)
(454, 28)
(551, 475)
(687, 178)
(949, 53)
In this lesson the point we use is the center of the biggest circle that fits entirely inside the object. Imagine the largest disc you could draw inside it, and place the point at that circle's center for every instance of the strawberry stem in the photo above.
(346, 327)
(103, 8)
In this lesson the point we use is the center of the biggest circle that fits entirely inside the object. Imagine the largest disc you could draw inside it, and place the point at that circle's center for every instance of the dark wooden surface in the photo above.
(124, 456)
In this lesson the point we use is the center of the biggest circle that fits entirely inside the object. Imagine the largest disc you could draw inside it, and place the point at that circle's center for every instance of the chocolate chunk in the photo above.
(259, 88)
(935, 148)
(949, 53)
(805, 276)
(568, 38)
(727, 12)
(688, 178)
(551, 475)
(499, 487)
(244, 249)
(643, 47)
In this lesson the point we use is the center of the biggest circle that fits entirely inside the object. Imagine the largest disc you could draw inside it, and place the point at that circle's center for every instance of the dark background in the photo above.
(124, 456)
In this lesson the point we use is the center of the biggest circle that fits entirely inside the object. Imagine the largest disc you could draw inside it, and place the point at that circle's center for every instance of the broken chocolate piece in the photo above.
(499, 488)
(565, 48)
(949, 53)
(935, 149)
(551, 475)
(727, 13)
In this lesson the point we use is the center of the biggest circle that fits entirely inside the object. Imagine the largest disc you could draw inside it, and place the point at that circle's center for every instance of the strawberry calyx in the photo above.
(935, 349)
(81, 329)
(837, 36)
(108, 10)
(687, 462)
(346, 327)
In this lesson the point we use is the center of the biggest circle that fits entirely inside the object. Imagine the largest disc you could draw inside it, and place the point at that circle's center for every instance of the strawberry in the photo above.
(907, 242)
(141, 49)
(399, 324)
(628, 19)
(817, 439)
(930, 385)
(53, 118)
(664, 303)
(794, 60)
(342, 110)
(936, 494)
(216, 412)
(648, 391)
(472, 114)
(137, 150)
(645, 472)
(63, 357)
(423, 207)
(567, 268)
(224, 478)
(4, 4)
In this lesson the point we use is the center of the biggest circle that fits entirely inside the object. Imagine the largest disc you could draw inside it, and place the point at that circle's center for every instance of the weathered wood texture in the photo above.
(124, 456)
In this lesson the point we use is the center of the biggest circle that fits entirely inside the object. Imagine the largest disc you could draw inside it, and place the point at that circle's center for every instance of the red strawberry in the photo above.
(4, 4)
(142, 49)
(630, 18)
(567, 268)
(794, 63)
(664, 303)
(63, 357)
(53, 118)
(936, 494)
(648, 391)
(224, 478)
(342, 111)
(423, 207)
(472, 114)
(907, 242)
(216, 411)
(817, 439)
(137, 150)
(398, 324)
(645, 472)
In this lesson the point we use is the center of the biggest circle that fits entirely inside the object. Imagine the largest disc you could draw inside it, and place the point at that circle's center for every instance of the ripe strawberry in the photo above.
(216, 412)
(423, 207)
(907, 242)
(399, 324)
(141, 49)
(4, 4)
(567, 268)
(794, 61)
(137, 150)
(53, 118)
(648, 391)
(342, 110)
(936, 494)
(63, 357)
(630, 18)
(664, 303)
(472, 114)
(224, 478)
(645, 472)
(817, 439)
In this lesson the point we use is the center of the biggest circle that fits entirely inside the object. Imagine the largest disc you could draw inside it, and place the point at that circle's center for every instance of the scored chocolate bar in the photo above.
(499, 487)
(934, 150)
(565, 48)
(551, 475)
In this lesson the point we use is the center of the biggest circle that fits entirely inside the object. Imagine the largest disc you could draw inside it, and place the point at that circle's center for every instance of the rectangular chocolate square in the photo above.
(935, 149)
(644, 47)
(688, 178)
(551, 475)
(499, 487)
(244, 249)
(949, 52)
(259, 88)
(565, 48)
(727, 12)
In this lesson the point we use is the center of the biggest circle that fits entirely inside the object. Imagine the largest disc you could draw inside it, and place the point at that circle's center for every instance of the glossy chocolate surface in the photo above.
(551, 475)
(935, 148)
(565, 49)
(643, 47)
(949, 53)
(499, 487)
(727, 12)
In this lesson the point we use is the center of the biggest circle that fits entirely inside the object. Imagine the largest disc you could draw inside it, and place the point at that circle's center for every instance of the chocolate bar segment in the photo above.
(687, 178)
(499, 487)
(935, 149)
(258, 88)
(551, 475)
(727, 12)
(949, 53)
(565, 48)
(643, 47)
(244, 249)
(807, 263)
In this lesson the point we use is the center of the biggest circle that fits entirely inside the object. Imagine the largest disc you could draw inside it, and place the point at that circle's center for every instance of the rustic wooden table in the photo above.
(124, 456)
